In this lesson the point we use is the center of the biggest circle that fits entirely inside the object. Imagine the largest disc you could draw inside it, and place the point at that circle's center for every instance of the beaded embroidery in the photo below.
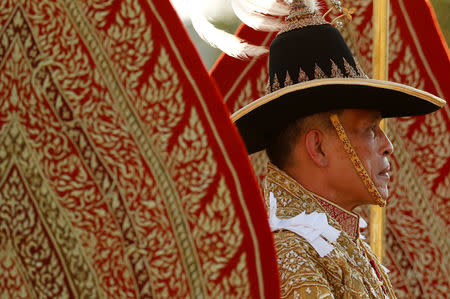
(302, 77)
(300, 15)
(318, 73)
(350, 70)
(336, 72)
(346, 273)
(288, 80)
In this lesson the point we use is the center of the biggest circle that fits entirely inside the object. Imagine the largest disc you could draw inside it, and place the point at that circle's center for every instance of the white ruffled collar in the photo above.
(313, 227)
(304, 208)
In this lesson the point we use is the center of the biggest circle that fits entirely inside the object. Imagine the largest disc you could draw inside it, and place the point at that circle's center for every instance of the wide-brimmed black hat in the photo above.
(312, 70)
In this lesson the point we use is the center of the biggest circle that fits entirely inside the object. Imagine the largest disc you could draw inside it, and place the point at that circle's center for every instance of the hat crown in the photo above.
(314, 49)
(309, 48)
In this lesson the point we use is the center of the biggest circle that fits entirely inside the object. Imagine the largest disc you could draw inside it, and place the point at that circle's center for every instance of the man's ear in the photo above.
(314, 146)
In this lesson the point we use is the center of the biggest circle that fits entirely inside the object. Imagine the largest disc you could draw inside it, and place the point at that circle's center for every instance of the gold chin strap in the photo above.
(357, 164)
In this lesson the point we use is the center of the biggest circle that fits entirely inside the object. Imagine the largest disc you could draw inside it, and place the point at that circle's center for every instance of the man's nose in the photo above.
(386, 148)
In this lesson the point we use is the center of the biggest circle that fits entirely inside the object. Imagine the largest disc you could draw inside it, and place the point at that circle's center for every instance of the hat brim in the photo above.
(260, 120)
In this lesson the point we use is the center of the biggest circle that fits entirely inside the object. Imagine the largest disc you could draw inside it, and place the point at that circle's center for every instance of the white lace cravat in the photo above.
(313, 227)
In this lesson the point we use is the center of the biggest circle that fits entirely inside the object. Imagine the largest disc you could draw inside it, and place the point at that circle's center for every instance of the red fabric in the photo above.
(417, 246)
(121, 175)
(231, 74)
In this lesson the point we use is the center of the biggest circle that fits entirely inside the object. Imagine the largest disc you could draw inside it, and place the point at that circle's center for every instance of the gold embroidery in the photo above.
(359, 69)
(357, 162)
(302, 270)
(302, 77)
(166, 186)
(288, 80)
(259, 163)
(300, 15)
(350, 71)
(244, 96)
(275, 84)
(299, 22)
(418, 195)
(225, 245)
(408, 72)
(24, 188)
(118, 155)
(192, 167)
(261, 84)
(335, 71)
(347, 220)
(44, 82)
(318, 73)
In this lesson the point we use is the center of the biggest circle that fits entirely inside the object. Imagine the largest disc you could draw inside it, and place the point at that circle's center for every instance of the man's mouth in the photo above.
(385, 173)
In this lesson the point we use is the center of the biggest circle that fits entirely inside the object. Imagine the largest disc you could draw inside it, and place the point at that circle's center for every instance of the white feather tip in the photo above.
(228, 43)
(313, 5)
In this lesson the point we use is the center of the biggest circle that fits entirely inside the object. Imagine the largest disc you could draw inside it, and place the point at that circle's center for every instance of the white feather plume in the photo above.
(313, 5)
(228, 43)
(267, 7)
(263, 15)
(256, 16)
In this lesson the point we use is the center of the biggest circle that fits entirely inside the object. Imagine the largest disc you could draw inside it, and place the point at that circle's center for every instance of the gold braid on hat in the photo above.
(357, 164)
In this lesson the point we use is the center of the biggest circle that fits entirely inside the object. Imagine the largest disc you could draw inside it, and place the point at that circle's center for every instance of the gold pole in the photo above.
(380, 64)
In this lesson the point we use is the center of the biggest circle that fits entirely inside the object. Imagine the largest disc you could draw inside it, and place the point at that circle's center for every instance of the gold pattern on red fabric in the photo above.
(115, 180)
(347, 220)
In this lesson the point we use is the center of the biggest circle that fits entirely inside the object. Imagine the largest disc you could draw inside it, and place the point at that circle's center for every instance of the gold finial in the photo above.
(300, 9)
(302, 13)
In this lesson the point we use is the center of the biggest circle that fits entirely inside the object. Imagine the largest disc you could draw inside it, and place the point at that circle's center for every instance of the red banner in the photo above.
(121, 175)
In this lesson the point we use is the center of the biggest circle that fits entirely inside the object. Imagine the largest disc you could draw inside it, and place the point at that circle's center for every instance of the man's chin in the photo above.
(384, 192)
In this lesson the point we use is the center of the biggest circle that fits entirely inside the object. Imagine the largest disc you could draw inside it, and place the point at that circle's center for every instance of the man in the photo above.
(320, 126)
(317, 176)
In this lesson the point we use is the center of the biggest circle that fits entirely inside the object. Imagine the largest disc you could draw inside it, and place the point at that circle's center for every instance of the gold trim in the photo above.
(426, 96)
(357, 164)
(336, 72)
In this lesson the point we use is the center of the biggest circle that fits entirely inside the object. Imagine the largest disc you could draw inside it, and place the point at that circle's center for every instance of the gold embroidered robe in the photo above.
(346, 272)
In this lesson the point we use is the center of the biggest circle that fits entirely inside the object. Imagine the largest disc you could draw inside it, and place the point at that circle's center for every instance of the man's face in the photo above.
(372, 147)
